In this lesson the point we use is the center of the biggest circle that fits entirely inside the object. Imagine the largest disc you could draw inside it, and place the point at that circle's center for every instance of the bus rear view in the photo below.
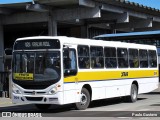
(36, 71)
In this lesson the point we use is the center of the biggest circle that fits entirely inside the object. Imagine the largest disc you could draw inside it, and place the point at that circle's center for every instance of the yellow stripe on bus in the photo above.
(111, 75)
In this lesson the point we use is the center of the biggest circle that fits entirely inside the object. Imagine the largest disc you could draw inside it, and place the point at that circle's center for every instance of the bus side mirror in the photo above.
(7, 53)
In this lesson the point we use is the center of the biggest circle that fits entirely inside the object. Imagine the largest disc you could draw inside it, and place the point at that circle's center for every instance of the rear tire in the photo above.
(43, 106)
(133, 95)
(84, 100)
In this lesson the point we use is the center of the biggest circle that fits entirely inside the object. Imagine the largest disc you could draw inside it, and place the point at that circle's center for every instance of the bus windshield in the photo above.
(36, 66)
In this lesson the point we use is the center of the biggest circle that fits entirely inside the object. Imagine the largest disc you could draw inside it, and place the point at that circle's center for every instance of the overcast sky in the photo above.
(150, 3)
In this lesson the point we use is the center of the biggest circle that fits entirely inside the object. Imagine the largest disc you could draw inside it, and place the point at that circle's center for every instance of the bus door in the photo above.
(70, 70)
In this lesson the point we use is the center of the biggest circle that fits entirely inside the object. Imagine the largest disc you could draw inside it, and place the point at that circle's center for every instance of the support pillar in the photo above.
(1, 48)
(52, 25)
(84, 32)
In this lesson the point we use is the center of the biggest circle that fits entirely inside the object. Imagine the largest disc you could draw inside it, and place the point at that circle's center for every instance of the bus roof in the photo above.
(146, 34)
(82, 41)
(40, 37)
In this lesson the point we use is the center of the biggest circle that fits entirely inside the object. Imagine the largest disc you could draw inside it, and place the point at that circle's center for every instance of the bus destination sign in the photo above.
(37, 44)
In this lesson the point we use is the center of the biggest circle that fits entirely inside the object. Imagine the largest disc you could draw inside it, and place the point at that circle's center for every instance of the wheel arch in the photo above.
(88, 87)
(136, 83)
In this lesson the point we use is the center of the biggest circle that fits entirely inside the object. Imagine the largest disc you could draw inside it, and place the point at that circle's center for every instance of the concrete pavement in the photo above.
(5, 102)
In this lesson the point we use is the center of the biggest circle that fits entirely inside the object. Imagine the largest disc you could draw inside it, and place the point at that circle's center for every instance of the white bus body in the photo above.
(100, 83)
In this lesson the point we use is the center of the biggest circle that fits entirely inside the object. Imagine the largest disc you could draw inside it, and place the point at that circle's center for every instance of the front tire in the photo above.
(133, 95)
(43, 106)
(84, 100)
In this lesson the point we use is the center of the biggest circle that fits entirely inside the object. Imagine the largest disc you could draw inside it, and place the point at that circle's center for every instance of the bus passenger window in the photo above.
(97, 59)
(83, 57)
(152, 58)
(73, 60)
(122, 57)
(133, 58)
(143, 57)
(110, 57)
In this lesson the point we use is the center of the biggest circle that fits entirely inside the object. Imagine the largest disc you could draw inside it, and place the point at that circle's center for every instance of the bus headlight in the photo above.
(52, 91)
(55, 89)
(15, 89)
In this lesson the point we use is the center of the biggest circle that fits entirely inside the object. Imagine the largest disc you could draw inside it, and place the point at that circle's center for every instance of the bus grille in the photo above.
(31, 92)
(34, 98)
(33, 86)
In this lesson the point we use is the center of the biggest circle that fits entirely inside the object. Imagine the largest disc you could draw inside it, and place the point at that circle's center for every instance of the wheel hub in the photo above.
(83, 99)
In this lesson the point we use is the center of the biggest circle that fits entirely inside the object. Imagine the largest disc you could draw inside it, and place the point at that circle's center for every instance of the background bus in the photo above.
(63, 70)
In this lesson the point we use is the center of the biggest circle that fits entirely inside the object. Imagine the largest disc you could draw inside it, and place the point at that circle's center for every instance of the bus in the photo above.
(66, 70)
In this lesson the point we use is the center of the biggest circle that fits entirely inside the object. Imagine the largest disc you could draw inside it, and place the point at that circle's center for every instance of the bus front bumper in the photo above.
(37, 99)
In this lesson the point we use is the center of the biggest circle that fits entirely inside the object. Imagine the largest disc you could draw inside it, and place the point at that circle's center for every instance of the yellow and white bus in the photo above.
(63, 70)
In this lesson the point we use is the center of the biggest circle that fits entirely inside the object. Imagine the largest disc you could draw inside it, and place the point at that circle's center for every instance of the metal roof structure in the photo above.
(107, 14)
(133, 5)
(122, 3)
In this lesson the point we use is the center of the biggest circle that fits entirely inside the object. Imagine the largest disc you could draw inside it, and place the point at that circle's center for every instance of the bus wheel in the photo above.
(84, 100)
(43, 106)
(133, 95)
